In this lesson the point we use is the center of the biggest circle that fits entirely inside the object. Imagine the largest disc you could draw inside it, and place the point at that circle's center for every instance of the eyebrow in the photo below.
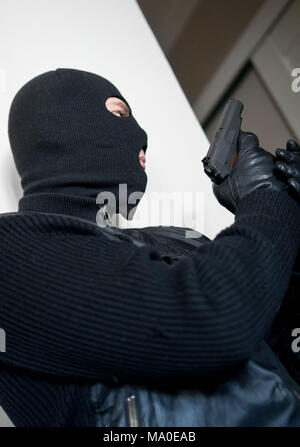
(116, 101)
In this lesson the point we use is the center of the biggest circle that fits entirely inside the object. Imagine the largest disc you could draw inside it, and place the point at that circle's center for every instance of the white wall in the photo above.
(113, 39)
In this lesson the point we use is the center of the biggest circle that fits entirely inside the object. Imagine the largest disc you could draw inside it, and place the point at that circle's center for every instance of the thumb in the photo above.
(247, 141)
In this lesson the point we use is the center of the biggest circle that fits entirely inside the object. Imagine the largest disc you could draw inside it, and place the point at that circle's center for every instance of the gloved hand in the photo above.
(254, 168)
(288, 166)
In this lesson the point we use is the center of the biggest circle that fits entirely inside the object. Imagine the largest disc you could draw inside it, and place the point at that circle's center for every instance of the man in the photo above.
(91, 313)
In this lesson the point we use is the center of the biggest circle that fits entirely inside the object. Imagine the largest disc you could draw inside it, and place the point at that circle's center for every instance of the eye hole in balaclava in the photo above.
(68, 147)
(119, 107)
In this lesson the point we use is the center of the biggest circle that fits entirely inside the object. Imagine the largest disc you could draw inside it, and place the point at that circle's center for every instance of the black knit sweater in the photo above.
(79, 303)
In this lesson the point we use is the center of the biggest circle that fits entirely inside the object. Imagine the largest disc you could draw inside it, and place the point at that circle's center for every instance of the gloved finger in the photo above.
(292, 146)
(294, 185)
(287, 169)
(283, 154)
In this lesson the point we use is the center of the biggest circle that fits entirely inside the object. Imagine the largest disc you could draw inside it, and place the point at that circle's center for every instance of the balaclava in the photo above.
(68, 147)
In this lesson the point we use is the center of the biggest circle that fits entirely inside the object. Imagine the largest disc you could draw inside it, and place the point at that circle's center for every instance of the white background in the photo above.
(113, 39)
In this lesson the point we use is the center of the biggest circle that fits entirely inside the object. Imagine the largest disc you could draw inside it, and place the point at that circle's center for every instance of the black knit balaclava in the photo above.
(68, 147)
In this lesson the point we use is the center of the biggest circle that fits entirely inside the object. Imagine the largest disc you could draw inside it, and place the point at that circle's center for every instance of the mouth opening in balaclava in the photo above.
(70, 151)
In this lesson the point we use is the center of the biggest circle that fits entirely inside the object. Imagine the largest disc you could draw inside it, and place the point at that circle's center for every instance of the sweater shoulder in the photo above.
(21, 226)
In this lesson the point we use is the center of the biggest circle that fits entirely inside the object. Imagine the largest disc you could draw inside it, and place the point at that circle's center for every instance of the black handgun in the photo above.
(223, 150)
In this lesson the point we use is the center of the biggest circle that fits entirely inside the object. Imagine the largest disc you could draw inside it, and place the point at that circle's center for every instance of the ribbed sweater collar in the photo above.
(71, 205)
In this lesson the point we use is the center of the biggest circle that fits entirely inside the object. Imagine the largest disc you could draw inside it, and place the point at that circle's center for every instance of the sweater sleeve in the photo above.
(77, 302)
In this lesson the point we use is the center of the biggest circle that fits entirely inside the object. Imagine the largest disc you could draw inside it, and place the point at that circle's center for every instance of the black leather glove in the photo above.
(288, 166)
(254, 168)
